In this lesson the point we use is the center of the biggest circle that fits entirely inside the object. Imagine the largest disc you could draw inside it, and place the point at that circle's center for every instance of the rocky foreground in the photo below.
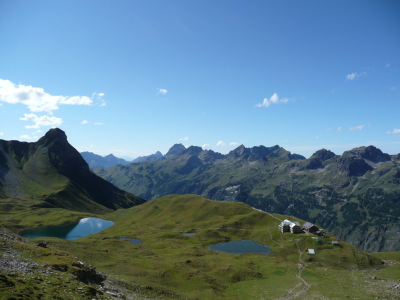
(22, 277)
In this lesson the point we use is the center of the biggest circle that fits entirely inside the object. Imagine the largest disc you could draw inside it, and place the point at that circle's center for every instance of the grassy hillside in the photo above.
(171, 265)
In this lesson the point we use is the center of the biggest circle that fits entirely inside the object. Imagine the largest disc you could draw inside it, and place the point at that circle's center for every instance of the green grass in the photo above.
(174, 266)
(182, 267)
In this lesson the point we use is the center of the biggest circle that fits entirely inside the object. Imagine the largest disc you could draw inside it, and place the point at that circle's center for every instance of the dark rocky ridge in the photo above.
(53, 171)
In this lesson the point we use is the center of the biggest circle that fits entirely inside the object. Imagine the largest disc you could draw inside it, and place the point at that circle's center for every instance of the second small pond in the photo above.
(240, 247)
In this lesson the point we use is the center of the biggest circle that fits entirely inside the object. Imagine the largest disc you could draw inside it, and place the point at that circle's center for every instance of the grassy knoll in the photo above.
(176, 266)
(22, 214)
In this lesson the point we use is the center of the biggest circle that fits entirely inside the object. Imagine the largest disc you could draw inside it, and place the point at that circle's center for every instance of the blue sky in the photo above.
(134, 77)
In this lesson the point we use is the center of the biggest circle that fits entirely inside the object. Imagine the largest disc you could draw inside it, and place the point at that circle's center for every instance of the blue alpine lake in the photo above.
(240, 247)
(71, 232)
(131, 240)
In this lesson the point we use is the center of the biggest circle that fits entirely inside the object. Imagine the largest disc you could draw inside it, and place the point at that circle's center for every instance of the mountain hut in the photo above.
(309, 227)
(290, 226)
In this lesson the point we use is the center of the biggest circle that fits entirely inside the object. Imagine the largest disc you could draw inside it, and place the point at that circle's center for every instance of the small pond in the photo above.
(71, 232)
(240, 247)
(131, 240)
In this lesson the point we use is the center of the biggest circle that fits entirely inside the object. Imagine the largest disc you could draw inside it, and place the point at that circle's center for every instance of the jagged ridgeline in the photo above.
(52, 173)
(356, 195)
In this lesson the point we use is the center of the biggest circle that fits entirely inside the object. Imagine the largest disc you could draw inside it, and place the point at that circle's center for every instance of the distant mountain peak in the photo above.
(175, 149)
(370, 153)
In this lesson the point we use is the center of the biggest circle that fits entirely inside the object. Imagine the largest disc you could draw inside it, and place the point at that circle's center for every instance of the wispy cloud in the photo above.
(162, 91)
(184, 139)
(336, 129)
(393, 88)
(98, 123)
(317, 137)
(221, 143)
(387, 65)
(359, 127)
(395, 131)
(206, 146)
(84, 122)
(233, 144)
(27, 137)
(355, 75)
(273, 100)
(1, 133)
(41, 121)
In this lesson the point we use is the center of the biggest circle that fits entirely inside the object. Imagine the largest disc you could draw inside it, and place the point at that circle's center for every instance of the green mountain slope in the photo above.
(171, 265)
(356, 195)
(51, 173)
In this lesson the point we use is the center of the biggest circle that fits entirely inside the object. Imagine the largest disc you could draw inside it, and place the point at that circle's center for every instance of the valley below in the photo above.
(171, 265)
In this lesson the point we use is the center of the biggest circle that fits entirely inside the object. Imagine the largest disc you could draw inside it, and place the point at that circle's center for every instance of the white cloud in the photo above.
(339, 129)
(98, 123)
(162, 91)
(387, 65)
(355, 75)
(273, 100)
(1, 104)
(36, 99)
(395, 131)
(1, 133)
(41, 121)
(84, 122)
(393, 88)
(221, 143)
(38, 131)
(206, 146)
(184, 139)
(316, 137)
(359, 127)
(27, 137)
(233, 144)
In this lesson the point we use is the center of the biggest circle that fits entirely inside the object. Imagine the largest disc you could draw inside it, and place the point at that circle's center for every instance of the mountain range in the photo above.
(95, 160)
(51, 173)
(355, 195)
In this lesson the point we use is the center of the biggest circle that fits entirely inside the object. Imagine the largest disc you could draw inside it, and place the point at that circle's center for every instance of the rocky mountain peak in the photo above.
(323, 155)
(175, 149)
(370, 153)
(55, 133)
(193, 150)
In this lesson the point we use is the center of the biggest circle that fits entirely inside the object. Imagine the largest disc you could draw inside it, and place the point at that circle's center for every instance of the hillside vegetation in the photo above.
(356, 195)
(171, 265)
